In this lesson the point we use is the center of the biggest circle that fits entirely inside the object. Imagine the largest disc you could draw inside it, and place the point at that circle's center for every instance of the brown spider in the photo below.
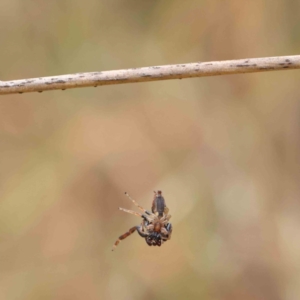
(155, 227)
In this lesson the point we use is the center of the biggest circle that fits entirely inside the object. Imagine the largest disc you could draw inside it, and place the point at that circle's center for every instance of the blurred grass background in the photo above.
(224, 151)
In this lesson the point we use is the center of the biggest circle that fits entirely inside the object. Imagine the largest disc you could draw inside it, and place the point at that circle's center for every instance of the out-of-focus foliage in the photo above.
(225, 152)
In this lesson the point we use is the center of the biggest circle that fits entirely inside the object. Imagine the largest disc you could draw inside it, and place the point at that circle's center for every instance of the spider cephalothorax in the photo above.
(155, 227)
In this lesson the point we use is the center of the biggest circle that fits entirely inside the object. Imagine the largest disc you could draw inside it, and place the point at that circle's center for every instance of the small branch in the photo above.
(180, 71)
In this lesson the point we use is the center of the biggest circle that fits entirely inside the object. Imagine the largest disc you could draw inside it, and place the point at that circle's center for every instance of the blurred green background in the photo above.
(224, 151)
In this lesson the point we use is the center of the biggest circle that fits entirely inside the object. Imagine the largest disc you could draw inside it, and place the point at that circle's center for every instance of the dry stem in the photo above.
(179, 71)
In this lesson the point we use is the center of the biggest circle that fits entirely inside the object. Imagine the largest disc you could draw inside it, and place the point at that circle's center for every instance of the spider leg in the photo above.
(145, 217)
(166, 218)
(166, 210)
(169, 228)
(150, 227)
(131, 212)
(136, 204)
(166, 232)
(145, 224)
(141, 232)
(124, 236)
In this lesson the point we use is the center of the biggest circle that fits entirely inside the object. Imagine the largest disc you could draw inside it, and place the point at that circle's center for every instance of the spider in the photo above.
(155, 227)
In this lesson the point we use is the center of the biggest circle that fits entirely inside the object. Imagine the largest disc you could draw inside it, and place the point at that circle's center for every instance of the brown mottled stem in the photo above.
(179, 71)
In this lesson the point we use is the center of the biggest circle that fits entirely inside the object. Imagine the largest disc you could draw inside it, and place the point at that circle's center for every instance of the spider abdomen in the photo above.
(154, 239)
